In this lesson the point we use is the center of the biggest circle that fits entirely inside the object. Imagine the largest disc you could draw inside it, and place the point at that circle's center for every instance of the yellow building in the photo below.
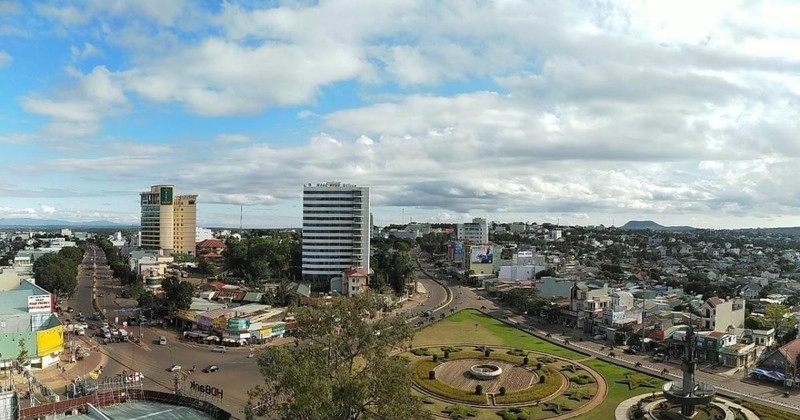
(168, 221)
(28, 324)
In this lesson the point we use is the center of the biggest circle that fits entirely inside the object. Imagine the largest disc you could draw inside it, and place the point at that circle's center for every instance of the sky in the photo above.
(573, 112)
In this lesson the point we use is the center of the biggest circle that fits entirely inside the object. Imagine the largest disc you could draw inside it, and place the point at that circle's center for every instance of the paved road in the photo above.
(237, 371)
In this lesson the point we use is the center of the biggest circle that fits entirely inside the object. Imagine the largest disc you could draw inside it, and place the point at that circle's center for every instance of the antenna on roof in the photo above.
(241, 212)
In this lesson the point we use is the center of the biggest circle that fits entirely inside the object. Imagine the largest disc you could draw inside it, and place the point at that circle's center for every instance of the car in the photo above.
(174, 368)
(218, 349)
(210, 369)
(630, 350)
(659, 357)
(70, 310)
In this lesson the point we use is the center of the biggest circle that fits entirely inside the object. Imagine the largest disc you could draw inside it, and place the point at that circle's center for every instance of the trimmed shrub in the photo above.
(539, 366)
(422, 351)
(478, 389)
(435, 357)
(542, 379)
(502, 390)
(431, 374)
(486, 353)
(525, 360)
(446, 354)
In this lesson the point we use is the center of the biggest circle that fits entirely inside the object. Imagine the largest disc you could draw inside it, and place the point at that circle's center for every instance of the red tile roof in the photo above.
(791, 350)
(350, 272)
(210, 243)
(713, 301)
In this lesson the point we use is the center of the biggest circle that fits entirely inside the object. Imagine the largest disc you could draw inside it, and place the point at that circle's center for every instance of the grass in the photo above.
(616, 392)
(419, 372)
(472, 327)
(767, 413)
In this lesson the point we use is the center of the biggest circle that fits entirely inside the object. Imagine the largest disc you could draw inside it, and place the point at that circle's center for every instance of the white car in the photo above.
(174, 368)
(218, 349)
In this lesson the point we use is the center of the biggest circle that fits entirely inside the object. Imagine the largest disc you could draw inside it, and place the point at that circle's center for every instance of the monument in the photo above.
(688, 393)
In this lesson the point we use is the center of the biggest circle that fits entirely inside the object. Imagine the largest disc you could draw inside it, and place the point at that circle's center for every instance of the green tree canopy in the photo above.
(779, 317)
(56, 274)
(343, 370)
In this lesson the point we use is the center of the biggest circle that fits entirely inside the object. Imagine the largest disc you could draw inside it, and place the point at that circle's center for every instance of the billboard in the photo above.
(481, 254)
(39, 303)
(49, 341)
(459, 248)
(166, 195)
(525, 254)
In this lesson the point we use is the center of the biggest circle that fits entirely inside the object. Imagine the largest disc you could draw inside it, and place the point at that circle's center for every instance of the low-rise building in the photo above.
(28, 323)
(719, 314)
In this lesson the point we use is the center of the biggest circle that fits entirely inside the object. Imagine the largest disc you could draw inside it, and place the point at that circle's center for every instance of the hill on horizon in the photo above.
(649, 224)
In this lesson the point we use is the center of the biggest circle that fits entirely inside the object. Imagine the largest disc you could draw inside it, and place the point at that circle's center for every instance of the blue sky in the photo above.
(578, 112)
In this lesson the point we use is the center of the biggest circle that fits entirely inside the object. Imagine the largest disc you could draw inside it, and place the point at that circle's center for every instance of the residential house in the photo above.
(710, 344)
(750, 291)
(354, 281)
(719, 314)
(783, 359)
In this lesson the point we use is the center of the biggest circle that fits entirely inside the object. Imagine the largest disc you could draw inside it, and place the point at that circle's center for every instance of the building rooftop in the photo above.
(143, 410)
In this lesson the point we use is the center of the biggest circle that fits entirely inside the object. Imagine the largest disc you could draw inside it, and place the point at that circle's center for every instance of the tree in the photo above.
(72, 253)
(177, 295)
(22, 356)
(779, 317)
(548, 272)
(56, 274)
(204, 267)
(343, 370)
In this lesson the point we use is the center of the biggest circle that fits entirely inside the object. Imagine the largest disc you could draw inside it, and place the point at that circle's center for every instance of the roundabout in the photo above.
(507, 379)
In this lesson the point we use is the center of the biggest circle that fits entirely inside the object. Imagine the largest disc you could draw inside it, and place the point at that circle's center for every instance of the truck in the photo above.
(123, 335)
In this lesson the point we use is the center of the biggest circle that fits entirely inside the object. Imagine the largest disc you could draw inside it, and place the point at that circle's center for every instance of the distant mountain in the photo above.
(649, 224)
(53, 223)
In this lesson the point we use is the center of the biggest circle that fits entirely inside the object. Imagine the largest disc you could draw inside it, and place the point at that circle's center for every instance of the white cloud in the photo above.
(45, 209)
(88, 50)
(79, 110)
(227, 138)
(5, 58)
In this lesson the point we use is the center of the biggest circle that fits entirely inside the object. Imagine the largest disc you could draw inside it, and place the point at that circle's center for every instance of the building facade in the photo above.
(168, 221)
(720, 314)
(476, 232)
(336, 230)
(28, 323)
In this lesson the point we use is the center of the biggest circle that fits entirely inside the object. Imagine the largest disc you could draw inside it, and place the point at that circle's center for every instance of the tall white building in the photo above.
(336, 230)
(476, 232)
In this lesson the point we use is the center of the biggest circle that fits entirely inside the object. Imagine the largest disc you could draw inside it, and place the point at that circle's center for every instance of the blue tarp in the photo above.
(768, 374)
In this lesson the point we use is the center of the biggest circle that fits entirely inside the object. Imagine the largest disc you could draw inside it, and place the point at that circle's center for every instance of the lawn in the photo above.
(616, 392)
(472, 327)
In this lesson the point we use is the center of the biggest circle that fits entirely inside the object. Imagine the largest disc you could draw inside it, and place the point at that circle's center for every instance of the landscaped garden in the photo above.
(539, 379)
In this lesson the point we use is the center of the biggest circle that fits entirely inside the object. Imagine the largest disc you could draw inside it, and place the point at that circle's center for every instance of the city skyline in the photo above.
(568, 112)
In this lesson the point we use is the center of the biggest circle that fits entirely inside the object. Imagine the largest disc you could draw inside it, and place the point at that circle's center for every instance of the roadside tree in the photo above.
(343, 368)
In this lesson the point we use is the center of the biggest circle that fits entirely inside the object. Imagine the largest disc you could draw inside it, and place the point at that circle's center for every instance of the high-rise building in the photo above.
(168, 222)
(336, 230)
(476, 232)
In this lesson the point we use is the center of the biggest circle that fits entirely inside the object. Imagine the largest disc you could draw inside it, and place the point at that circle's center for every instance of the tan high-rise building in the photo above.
(168, 221)
(185, 223)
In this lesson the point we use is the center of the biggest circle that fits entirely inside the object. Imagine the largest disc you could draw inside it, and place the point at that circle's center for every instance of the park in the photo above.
(538, 379)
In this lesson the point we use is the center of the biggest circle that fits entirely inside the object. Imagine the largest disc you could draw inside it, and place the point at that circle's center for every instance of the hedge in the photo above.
(419, 373)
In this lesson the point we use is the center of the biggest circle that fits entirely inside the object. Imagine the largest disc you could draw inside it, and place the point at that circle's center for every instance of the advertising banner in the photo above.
(525, 254)
(459, 248)
(481, 254)
(39, 303)
(49, 341)
(166, 195)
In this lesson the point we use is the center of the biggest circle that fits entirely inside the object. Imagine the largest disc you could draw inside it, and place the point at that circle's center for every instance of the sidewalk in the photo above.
(56, 379)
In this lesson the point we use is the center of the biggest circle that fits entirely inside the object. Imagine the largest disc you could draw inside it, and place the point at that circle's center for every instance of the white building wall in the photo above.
(336, 229)
(476, 232)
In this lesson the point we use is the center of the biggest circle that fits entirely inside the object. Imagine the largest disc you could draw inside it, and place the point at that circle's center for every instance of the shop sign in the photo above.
(39, 303)
(206, 389)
